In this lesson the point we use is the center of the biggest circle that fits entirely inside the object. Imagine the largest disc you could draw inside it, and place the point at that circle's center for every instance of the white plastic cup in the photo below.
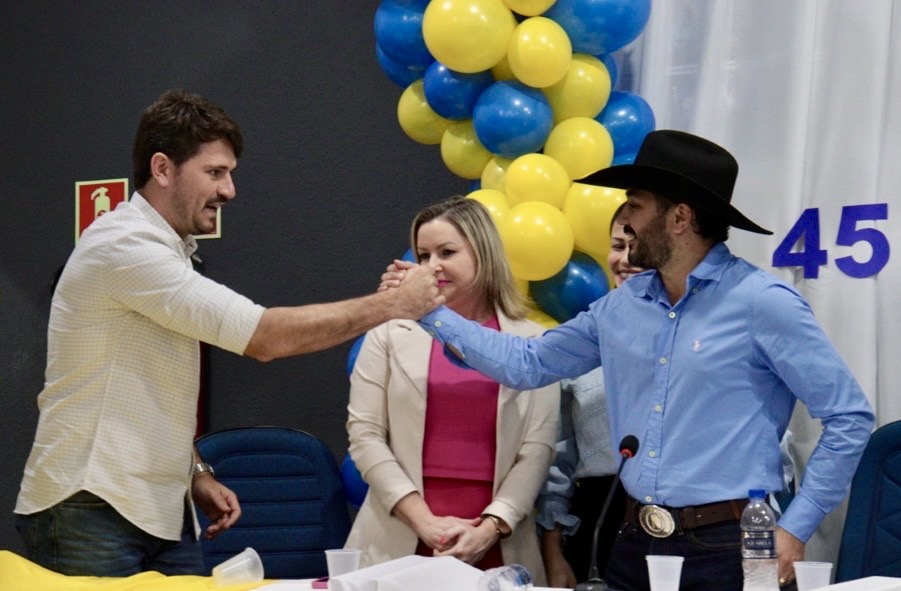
(342, 561)
(812, 575)
(664, 572)
(242, 568)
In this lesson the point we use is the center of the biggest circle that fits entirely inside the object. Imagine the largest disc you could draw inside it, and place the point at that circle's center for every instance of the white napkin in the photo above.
(409, 573)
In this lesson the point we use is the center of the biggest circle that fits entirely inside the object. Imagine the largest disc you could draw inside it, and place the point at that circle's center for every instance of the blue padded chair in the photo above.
(291, 494)
(871, 540)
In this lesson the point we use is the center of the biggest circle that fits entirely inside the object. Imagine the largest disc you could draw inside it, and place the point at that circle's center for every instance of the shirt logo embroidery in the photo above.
(696, 345)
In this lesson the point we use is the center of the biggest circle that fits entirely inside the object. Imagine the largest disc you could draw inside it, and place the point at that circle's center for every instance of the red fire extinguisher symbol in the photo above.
(95, 198)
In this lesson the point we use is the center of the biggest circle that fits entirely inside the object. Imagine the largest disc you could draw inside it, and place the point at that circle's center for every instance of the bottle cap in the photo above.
(756, 493)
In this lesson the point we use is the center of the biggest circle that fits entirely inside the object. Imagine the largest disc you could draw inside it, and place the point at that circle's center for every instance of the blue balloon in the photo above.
(628, 118)
(398, 31)
(612, 67)
(623, 159)
(400, 73)
(512, 119)
(352, 354)
(474, 185)
(572, 290)
(355, 487)
(600, 26)
(409, 256)
(451, 94)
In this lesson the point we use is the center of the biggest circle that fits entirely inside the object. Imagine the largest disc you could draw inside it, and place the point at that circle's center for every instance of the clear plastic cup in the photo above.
(812, 575)
(664, 572)
(342, 561)
(242, 568)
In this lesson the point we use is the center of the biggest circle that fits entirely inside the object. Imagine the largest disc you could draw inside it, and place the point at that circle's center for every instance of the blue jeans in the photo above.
(84, 535)
(712, 558)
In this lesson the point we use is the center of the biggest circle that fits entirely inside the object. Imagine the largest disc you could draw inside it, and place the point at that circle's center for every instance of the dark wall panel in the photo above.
(326, 188)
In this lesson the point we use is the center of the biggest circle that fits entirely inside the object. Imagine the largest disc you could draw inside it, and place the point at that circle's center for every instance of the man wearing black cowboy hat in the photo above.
(704, 356)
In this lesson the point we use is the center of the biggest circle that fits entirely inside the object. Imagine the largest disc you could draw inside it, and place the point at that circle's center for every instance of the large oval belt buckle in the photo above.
(656, 521)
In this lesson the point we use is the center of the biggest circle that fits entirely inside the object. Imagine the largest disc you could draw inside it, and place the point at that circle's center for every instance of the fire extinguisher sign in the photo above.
(95, 198)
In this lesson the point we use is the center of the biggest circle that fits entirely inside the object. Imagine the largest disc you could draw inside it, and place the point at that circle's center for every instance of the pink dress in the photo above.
(459, 443)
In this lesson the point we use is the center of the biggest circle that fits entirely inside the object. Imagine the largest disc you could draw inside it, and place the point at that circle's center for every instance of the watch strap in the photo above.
(200, 468)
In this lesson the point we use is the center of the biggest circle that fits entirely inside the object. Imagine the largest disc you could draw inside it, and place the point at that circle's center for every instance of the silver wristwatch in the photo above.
(202, 467)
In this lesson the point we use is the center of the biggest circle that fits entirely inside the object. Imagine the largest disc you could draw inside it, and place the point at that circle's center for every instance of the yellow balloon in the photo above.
(417, 118)
(538, 240)
(541, 317)
(581, 144)
(462, 151)
(501, 70)
(523, 286)
(536, 177)
(494, 173)
(590, 210)
(467, 35)
(494, 201)
(582, 92)
(529, 7)
(540, 52)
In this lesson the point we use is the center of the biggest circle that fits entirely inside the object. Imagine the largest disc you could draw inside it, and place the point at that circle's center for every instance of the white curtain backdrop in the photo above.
(807, 95)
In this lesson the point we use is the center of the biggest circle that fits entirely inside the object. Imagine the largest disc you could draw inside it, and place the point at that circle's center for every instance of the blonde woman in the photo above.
(454, 461)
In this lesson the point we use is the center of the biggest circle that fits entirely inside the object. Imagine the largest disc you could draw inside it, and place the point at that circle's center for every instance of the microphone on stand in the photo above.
(627, 449)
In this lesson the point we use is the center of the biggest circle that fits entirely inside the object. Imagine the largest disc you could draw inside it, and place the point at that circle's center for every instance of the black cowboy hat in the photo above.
(684, 168)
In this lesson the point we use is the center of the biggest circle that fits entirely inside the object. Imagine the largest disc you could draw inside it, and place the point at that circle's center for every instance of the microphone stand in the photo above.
(627, 448)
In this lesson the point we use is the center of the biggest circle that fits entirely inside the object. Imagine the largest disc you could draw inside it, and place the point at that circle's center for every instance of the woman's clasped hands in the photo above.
(464, 539)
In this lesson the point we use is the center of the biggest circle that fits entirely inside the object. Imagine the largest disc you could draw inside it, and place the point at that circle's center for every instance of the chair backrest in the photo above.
(292, 500)
(871, 540)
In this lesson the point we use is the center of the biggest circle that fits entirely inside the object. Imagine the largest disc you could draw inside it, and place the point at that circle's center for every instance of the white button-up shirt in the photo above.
(118, 409)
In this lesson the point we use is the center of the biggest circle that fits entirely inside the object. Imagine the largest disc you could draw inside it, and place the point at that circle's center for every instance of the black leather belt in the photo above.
(662, 522)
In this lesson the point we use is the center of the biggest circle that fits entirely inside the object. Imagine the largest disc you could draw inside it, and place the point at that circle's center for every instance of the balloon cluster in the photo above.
(518, 94)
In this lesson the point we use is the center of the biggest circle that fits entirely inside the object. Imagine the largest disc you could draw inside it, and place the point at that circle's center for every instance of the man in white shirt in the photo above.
(106, 486)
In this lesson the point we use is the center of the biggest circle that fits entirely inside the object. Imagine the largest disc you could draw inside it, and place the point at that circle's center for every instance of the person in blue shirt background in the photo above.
(704, 357)
(583, 471)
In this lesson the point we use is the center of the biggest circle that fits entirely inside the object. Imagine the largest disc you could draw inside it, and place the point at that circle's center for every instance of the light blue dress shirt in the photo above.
(707, 385)
(584, 449)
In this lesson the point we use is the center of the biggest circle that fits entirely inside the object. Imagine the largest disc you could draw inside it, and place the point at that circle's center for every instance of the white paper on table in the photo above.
(443, 573)
(409, 573)
(868, 584)
(365, 579)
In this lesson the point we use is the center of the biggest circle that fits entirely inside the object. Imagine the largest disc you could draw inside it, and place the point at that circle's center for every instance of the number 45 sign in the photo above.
(811, 257)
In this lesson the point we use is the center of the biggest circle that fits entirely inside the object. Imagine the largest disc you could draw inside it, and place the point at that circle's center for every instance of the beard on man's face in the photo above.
(653, 248)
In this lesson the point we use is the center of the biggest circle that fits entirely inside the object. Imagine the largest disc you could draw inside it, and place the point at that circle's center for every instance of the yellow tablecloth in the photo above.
(20, 574)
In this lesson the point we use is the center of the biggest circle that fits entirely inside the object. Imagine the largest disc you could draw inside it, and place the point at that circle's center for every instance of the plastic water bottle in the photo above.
(758, 544)
(513, 577)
